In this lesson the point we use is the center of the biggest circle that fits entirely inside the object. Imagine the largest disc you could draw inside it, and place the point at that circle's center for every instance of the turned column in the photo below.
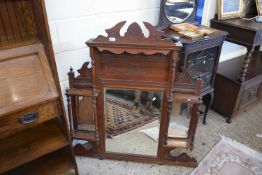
(246, 64)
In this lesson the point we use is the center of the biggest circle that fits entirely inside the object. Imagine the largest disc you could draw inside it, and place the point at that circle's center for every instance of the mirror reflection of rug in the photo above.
(229, 157)
(119, 118)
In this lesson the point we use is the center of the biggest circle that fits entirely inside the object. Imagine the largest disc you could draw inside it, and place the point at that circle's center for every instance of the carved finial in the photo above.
(67, 93)
(71, 73)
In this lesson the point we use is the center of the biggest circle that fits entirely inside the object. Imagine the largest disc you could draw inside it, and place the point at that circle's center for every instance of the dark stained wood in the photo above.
(134, 62)
(90, 136)
(244, 32)
(195, 53)
(201, 58)
(125, 67)
(242, 75)
(239, 95)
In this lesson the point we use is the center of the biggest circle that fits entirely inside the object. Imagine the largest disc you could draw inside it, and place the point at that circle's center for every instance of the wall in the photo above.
(209, 11)
(73, 22)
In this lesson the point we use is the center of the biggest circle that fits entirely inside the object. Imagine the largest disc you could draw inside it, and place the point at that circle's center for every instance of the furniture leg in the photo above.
(246, 63)
(229, 120)
(207, 100)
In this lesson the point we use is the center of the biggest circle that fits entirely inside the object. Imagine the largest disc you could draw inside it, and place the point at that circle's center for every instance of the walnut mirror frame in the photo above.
(177, 11)
(122, 69)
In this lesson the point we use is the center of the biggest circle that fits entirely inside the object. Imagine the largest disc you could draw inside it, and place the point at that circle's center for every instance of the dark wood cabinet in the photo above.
(239, 79)
(201, 58)
(239, 94)
(34, 137)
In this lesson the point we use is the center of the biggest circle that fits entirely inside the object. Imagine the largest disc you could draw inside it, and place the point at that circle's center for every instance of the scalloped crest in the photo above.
(134, 34)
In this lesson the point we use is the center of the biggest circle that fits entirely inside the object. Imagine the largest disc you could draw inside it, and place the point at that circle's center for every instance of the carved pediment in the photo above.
(183, 77)
(84, 71)
(84, 79)
(134, 34)
(183, 83)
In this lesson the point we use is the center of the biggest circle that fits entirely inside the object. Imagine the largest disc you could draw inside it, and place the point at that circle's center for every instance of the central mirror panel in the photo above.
(132, 121)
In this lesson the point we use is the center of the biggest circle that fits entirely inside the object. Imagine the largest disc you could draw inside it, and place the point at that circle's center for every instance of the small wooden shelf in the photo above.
(89, 136)
(187, 98)
(177, 143)
(231, 69)
(54, 163)
(39, 141)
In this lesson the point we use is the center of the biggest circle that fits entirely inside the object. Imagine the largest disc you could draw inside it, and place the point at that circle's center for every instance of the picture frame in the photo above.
(259, 7)
(193, 35)
(228, 9)
(206, 30)
(183, 27)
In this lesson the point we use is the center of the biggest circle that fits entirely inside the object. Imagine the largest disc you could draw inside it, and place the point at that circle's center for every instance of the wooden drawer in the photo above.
(11, 124)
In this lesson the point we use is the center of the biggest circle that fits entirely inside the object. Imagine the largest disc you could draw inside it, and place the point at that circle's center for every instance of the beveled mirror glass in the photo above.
(179, 120)
(178, 11)
(179, 125)
(132, 121)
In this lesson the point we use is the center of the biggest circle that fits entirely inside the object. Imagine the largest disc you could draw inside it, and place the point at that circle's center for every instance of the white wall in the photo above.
(73, 22)
(209, 11)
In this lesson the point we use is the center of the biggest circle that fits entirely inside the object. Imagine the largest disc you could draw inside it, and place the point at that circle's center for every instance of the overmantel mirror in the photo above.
(141, 108)
(177, 11)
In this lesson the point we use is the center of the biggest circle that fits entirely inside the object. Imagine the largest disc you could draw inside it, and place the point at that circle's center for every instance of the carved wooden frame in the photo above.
(132, 51)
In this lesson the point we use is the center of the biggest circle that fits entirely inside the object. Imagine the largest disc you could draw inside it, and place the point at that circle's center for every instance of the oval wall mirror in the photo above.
(177, 11)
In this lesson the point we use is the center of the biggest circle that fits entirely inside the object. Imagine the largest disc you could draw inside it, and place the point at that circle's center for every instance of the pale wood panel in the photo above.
(26, 78)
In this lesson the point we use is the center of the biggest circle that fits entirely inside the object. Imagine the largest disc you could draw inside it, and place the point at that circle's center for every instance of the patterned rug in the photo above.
(229, 157)
(119, 118)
